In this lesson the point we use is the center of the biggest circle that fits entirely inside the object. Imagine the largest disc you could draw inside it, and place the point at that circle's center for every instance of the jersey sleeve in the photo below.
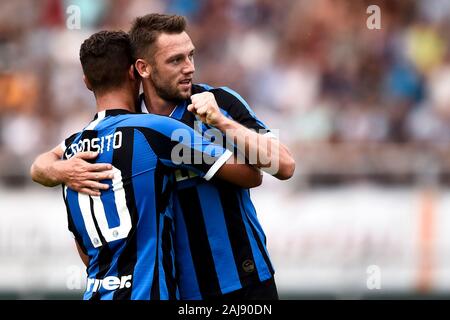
(236, 108)
(178, 145)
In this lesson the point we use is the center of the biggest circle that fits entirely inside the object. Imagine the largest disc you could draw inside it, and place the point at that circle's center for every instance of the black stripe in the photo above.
(87, 134)
(123, 160)
(202, 257)
(69, 141)
(235, 108)
(155, 293)
(163, 145)
(240, 243)
(197, 89)
(167, 258)
(261, 246)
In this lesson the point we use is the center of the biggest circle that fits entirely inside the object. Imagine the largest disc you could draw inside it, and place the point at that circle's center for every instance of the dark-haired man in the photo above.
(124, 234)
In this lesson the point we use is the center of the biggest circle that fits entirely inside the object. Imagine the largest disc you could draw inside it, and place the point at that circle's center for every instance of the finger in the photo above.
(94, 185)
(94, 193)
(195, 97)
(202, 110)
(190, 108)
(100, 167)
(98, 176)
(86, 155)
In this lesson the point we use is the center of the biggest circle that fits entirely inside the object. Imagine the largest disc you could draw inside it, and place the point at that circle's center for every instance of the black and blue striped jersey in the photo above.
(127, 232)
(220, 245)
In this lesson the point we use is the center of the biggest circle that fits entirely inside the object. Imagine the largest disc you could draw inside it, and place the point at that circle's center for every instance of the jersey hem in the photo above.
(233, 287)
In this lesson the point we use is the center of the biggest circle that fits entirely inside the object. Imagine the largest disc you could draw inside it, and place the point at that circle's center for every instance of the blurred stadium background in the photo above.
(366, 112)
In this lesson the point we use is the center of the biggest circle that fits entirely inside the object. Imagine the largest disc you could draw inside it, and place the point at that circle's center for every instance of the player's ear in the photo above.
(143, 68)
(87, 83)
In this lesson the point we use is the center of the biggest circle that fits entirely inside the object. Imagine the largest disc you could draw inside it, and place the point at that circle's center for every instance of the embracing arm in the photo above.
(78, 174)
(243, 175)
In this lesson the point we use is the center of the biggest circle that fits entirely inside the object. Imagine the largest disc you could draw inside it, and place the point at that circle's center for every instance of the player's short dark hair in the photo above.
(146, 29)
(106, 57)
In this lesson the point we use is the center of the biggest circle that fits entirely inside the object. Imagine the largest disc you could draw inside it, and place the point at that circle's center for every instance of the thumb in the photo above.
(190, 107)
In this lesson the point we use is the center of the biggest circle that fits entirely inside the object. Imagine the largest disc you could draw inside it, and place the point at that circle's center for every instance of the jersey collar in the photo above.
(176, 113)
(111, 112)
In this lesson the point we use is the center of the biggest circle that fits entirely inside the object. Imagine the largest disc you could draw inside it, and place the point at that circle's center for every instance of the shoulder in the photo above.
(225, 96)
(158, 123)
(71, 138)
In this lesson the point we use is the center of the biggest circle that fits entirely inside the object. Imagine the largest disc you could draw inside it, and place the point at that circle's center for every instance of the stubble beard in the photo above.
(169, 92)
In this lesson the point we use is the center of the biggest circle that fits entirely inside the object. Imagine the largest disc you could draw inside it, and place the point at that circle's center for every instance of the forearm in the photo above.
(242, 175)
(262, 151)
(43, 170)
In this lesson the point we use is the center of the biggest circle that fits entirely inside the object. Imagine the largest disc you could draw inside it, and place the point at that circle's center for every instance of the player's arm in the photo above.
(263, 151)
(84, 257)
(179, 146)
(49, 170)
(227, 167)
(243, 175)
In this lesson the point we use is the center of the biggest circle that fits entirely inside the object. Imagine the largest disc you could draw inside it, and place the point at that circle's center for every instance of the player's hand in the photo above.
(204, 106)
(82, 176)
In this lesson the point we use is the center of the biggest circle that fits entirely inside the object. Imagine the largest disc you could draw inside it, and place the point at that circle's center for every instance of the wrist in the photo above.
(223, 123)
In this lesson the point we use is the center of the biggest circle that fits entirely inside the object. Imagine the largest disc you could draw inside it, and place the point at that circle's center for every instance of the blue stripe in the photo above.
(250, 209)
(188, 283)
(172, 254)
(143, 185)
(219, 241)
(206, 86)
(163, 291)
(263, 270)
(72, 200)
(179, 111)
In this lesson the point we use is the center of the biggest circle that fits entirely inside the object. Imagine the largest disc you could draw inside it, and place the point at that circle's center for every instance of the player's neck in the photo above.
(115, 99)
(155, 104)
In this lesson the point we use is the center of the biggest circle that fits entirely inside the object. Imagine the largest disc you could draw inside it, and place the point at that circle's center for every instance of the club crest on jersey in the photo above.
(100, 145)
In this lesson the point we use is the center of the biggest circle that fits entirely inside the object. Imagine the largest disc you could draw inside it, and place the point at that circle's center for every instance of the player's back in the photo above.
(127, 231)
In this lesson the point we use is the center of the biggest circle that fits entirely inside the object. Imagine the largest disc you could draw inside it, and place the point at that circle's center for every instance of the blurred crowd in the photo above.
(353, 103)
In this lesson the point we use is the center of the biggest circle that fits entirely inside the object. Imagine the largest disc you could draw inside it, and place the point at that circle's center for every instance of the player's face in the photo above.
(173, 66)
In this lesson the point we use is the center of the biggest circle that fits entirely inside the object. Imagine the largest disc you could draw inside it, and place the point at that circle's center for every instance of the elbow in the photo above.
(254, 181)
(258, 180)
(36, 177)
(286, 170)
(33, 173)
